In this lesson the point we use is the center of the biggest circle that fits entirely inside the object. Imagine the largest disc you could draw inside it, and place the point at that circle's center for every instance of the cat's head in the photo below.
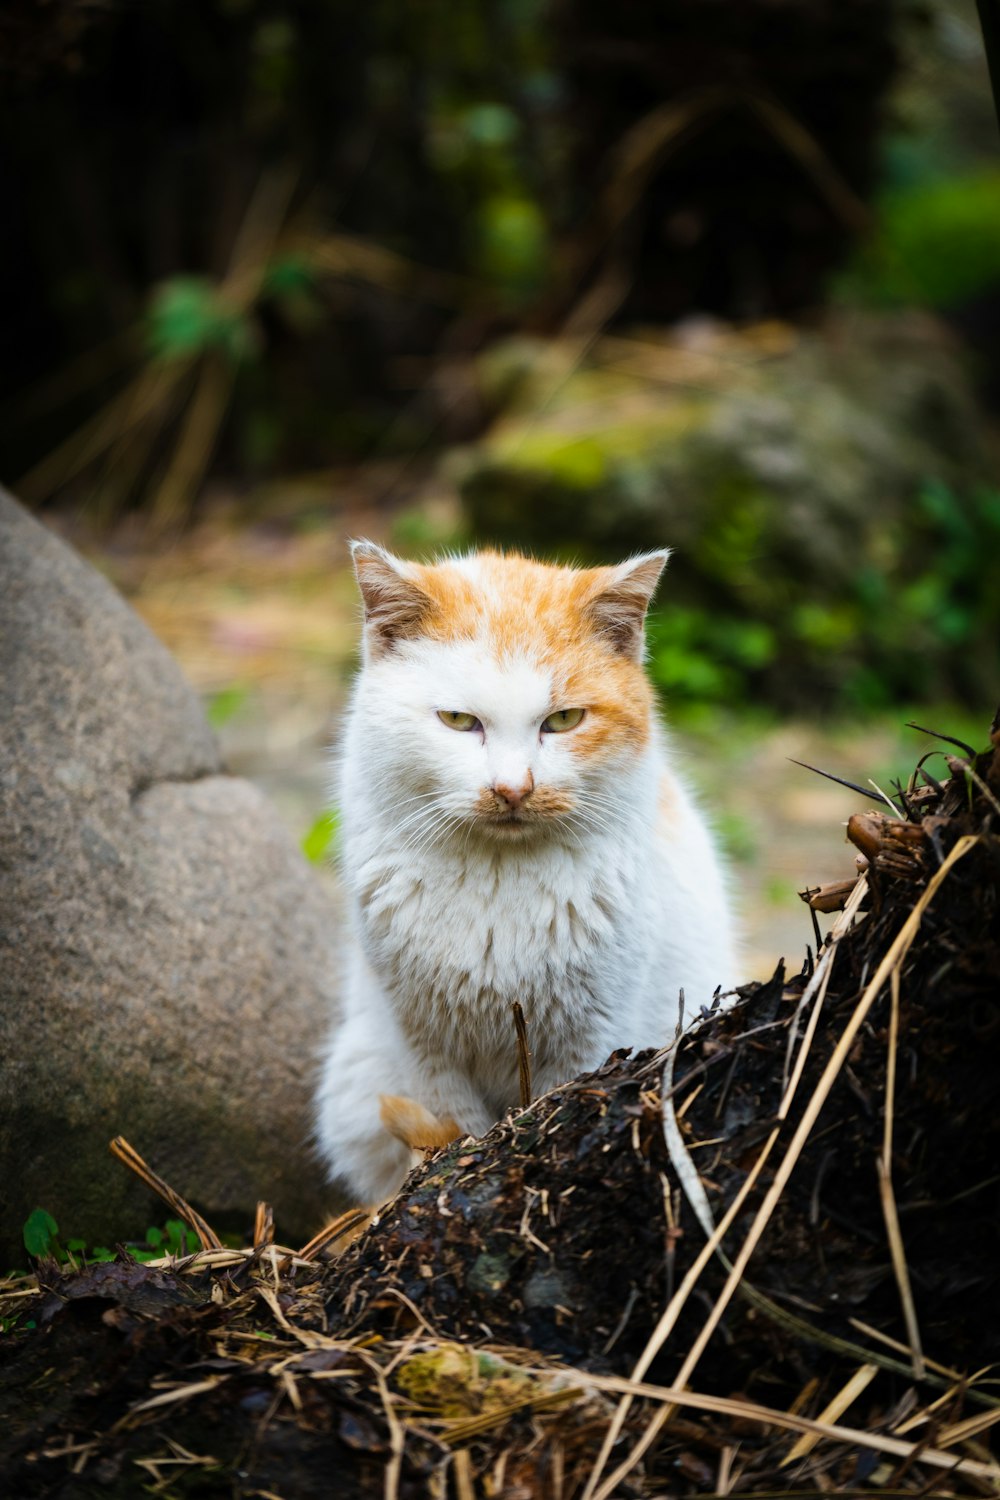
(503, 696)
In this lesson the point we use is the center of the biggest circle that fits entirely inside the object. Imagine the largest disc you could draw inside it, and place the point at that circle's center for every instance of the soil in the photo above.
(832, 1137)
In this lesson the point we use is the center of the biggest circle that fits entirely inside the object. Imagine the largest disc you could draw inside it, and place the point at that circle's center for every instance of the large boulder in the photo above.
(168, 962)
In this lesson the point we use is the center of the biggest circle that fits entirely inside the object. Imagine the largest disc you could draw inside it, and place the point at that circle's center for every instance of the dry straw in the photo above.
(890, 964)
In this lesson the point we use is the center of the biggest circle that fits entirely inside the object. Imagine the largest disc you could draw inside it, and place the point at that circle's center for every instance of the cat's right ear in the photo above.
(619, 606)
(395, 604)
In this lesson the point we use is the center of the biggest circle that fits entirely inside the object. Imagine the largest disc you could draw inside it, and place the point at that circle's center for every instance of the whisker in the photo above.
(445, 820)
(413, 821)
(590, 817)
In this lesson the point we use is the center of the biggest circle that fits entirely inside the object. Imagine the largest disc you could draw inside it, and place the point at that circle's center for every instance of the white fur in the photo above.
(594, 921)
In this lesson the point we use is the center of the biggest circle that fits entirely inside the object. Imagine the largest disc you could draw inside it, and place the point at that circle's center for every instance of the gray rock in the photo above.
(168, 961)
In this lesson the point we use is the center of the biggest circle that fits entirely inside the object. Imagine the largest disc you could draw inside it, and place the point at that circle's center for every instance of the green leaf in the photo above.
(40, 1230)
(318, 842)
(180, 1239)
(513, 242)
(289, 275)
(491, 124)
(225, 703)
(188, 316)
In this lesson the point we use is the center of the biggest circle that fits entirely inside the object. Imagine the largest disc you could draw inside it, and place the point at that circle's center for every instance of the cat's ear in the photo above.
(395, 604)
(618, 608)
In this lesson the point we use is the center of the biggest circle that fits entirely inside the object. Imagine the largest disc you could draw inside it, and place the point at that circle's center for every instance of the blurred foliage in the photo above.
(320, 840)
(484, 141)
(400, 138)
(935, 238)
(919, 621)
(827, 494)
(269, 237)
(188, 316)
(228, 701)
(937, 244)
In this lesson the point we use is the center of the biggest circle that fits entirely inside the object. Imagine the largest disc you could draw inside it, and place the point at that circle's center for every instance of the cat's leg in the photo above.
(365, 1060)
(414, 1125)
(451, 1096)
(369, 1059)
(420, 1132)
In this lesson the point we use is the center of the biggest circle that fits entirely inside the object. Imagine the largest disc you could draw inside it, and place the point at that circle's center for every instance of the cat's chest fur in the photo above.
(456, 938)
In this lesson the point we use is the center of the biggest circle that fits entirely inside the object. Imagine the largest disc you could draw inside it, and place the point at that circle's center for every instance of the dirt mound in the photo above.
(762, 1261)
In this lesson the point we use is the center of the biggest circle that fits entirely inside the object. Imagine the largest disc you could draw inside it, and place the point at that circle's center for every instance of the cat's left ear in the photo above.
(619, 607)
(395, 604)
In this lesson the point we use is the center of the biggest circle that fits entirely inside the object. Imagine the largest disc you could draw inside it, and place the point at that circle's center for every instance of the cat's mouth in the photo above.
(545, 807)
(511, 827)
(510, 820)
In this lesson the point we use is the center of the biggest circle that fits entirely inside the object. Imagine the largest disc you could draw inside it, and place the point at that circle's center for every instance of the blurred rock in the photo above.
(167, 959)
(807, 480)
(651, 437)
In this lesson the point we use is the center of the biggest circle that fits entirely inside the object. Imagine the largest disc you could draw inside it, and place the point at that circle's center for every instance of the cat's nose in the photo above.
(514, 795)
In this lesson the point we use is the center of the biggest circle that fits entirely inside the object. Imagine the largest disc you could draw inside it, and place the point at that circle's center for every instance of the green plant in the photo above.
(225, 703)
(320, 841)
(697, 654)
(39, 1233)
(41, 1239)
(937, 243)
(196, 341)
(918, 618)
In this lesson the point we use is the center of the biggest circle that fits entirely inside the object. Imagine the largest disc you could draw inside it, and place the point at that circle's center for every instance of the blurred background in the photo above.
(557, 274)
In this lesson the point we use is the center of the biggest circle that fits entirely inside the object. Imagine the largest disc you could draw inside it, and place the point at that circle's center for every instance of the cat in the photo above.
(511, 830)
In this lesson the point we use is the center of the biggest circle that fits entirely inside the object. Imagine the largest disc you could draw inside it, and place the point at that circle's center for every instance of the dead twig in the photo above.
(130, 1157)
(263, 1225)
(523, 1054)
(888, 1196)
(343, 1224)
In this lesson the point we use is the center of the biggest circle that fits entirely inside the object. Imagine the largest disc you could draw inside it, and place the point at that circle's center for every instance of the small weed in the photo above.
(225, 703)
(321, 840)
(39, 1233)
(41, 1239)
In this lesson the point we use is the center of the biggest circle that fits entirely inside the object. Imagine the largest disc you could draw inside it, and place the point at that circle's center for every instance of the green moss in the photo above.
(586, 454)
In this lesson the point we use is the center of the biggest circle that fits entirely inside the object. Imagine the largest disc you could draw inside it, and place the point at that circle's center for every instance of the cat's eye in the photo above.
(455, 720)
(562, 719)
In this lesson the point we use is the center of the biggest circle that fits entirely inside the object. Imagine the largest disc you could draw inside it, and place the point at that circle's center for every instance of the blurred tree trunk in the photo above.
(724, 149)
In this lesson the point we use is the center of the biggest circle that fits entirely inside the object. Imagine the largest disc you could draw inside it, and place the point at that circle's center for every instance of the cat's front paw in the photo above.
(414, 1125)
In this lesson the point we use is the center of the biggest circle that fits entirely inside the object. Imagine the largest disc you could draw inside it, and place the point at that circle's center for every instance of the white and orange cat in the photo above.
(511, 830)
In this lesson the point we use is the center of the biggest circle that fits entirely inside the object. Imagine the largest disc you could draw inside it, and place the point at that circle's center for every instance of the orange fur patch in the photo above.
(415, 1126)
(552, 616)
(667, 805)
(544, 802)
